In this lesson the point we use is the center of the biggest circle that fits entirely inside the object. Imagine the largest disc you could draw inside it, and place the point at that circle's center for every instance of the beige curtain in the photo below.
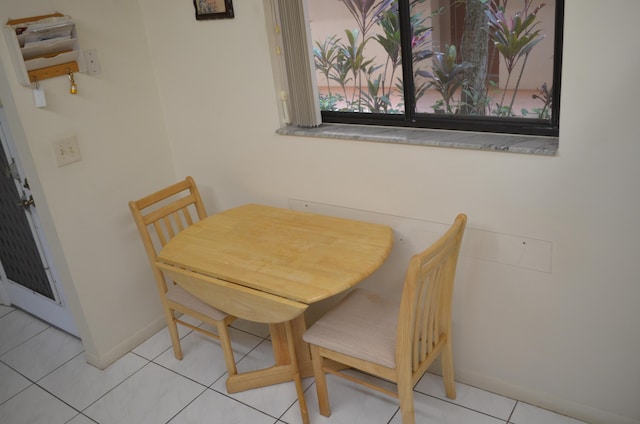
(301, 95)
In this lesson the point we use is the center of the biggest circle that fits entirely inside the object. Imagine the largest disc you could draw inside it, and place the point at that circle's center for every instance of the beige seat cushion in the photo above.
(179, 295)
(362, 325)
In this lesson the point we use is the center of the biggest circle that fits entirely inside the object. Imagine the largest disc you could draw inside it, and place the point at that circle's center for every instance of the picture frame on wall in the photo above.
(213, 9)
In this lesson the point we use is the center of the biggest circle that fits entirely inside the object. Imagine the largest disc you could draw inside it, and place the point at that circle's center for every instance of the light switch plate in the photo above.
(66, 151)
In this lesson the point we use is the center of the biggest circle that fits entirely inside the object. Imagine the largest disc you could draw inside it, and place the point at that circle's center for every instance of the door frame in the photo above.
(55, 312)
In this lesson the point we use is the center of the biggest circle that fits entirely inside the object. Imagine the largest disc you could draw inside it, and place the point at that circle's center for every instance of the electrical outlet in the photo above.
(91, 59)
(66, 151)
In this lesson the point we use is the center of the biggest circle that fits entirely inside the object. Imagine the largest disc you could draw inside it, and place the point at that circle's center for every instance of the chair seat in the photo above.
(363, 325)
(179, 295)
(395, 341)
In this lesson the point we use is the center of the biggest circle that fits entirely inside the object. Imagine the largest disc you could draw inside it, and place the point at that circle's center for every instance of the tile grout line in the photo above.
(147, 362)
(243, 404)
(38, 333)
(35, 382)
(117, 385)
(186, 406)
(512, 411)
(463, 406)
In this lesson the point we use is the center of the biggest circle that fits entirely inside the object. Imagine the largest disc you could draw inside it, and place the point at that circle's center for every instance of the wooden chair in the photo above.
(252, 305)
(396, 341)
(159, 217)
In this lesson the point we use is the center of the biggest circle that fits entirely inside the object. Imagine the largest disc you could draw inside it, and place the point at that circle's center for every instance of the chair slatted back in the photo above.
(425, 315)
(163, 214)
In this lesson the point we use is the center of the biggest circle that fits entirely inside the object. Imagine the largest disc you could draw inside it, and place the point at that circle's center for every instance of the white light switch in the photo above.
(66, 151)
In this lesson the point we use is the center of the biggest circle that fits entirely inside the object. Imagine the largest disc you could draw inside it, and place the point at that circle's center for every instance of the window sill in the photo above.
(534, 145)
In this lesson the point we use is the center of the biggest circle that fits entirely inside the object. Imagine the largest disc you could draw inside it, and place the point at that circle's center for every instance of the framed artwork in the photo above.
(213, 9)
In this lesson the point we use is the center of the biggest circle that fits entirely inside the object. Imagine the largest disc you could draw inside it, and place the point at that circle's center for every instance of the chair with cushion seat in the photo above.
(159, 217)
(396, 341)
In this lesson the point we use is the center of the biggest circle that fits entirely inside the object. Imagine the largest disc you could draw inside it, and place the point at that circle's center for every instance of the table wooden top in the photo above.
(301, 256)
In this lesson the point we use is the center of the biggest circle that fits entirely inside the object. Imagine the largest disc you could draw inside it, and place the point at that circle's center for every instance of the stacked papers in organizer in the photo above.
(47, 42)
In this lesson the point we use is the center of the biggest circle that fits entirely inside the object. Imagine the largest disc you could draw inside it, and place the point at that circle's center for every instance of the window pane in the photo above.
(357, 55)
(475, 65)
(490, 60)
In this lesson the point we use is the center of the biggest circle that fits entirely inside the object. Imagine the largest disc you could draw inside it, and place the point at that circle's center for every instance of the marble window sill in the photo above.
(512, 143)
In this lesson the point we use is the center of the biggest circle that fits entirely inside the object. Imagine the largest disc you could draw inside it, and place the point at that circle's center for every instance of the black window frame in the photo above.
(411, 119)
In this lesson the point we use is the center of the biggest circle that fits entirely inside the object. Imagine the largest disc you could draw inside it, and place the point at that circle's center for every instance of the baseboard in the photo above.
(541, 399)
(102, 361)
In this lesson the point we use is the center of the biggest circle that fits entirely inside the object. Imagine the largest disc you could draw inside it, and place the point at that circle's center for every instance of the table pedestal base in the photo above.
(282, 371)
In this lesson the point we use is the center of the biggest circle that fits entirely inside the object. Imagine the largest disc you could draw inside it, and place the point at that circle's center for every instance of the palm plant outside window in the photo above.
(481, 65)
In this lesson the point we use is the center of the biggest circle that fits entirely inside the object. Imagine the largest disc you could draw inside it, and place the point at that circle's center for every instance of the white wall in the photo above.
(566, 340)
(125, 153)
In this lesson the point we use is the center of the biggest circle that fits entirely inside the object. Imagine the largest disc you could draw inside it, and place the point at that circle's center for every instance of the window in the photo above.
(479, 65)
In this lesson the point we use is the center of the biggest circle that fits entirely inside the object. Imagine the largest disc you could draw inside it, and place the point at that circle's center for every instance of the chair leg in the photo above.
(173, 332)
(296, 373)
(446, 361)
(227, 351)
(321, 381)
(405, 395)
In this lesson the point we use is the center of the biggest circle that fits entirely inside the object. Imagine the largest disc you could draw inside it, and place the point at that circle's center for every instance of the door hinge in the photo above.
(26, 203)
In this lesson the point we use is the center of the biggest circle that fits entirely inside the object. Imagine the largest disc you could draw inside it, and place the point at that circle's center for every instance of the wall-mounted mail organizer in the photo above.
(44, 47)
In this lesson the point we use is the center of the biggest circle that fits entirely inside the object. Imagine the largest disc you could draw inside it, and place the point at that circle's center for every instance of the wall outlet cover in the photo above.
(66, 151)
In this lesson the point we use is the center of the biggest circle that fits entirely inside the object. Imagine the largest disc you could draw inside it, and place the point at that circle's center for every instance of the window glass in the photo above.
(487, 65)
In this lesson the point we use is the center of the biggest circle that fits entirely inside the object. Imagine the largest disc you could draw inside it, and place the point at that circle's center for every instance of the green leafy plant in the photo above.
(514, 37)
(448, 76)
(389, 39)
(356, 62)
(325, 55)
(544, 94)
(376, 82)
(373, 99)
(344, 61)
(330, 101)
(366, 14)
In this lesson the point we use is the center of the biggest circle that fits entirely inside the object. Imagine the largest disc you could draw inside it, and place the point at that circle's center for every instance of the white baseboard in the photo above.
(102, 361)
(541, 399)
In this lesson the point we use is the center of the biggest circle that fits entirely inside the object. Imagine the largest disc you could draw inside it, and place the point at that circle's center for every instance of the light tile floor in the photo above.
(44, 379)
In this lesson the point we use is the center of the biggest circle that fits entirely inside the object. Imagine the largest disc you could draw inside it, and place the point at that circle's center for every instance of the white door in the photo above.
(27, 277)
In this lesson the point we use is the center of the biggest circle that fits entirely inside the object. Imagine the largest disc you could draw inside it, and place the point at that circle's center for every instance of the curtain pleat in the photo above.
(302, 93)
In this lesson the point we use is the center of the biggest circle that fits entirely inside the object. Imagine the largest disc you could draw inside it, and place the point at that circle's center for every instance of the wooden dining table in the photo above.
(296, 255)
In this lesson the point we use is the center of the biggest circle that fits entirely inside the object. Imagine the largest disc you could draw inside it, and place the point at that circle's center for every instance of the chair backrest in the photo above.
(163, 214)
(424, 322)
(242, 302)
